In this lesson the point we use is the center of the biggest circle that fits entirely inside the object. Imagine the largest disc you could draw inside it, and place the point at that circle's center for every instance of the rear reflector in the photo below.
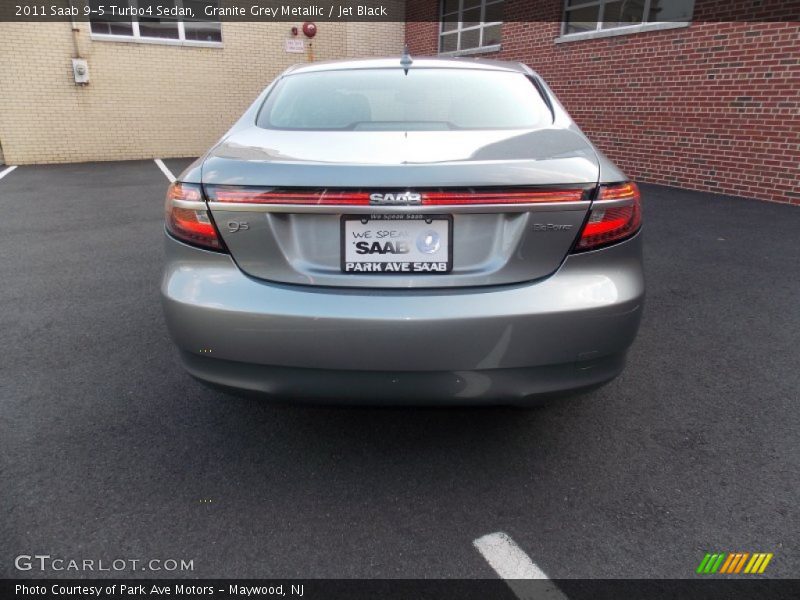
(190, 225)
(608, 225)
(339, 198)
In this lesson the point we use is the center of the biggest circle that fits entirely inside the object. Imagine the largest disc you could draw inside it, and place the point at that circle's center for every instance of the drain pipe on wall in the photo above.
(80, 66)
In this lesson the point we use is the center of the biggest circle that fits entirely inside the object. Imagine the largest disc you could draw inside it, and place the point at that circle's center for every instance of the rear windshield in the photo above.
(390, 100)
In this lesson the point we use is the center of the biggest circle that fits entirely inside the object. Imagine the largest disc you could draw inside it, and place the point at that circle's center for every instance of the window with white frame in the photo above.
(581, 16)
(147, 25)
(470, 25)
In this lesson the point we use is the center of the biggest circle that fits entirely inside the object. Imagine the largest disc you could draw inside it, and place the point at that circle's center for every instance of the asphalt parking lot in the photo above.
(109, 449)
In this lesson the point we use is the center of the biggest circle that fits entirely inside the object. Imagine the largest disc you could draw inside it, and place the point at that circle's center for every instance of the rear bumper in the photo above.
(566, 332)
(490, 386)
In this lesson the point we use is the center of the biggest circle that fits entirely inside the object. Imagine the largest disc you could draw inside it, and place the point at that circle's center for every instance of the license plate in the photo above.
(397, 244)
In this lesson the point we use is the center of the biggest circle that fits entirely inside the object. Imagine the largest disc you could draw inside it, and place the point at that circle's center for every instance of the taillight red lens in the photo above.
(190, 222)
(615, 222)
(516, 197)
(358, 198)
(256, 196)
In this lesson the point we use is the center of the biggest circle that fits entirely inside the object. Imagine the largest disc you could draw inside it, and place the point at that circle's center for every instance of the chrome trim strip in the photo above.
(190, 204)
(612, 203)
(404, 209)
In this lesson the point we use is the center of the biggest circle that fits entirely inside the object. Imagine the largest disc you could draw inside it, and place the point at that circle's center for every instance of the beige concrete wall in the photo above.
(147, 100)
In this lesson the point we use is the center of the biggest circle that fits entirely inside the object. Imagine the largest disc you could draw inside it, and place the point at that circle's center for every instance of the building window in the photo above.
(582, 16)
(470, 25)
(146, 25)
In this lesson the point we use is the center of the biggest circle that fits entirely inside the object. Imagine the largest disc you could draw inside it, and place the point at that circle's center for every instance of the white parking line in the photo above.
(160, 164)
(512, 564)
(5, 172)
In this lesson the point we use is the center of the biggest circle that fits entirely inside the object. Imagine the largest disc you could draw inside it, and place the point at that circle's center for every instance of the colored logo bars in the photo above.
(734, 562)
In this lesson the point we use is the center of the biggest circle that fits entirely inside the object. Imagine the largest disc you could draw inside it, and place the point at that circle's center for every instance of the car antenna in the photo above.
(405, 60)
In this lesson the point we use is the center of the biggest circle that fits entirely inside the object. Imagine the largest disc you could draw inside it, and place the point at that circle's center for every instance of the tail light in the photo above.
(615, 216)
(187, 217)
(523, 197)
(246, 195)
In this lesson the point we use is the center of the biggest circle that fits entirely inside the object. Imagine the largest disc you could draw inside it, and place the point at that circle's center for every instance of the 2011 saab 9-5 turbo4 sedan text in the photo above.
(404, 231)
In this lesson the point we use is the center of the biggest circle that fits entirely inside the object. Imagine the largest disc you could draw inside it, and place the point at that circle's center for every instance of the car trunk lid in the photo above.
(501, 240)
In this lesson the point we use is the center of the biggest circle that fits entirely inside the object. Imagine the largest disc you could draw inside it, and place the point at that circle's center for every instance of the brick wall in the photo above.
(147, 100)
(712, 107)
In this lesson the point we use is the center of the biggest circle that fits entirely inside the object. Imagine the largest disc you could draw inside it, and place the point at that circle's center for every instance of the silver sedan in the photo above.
(404, 231)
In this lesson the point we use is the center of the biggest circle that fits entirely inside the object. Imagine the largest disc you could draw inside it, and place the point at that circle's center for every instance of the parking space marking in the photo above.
(5, 172)
(160, 164)
(512, 564)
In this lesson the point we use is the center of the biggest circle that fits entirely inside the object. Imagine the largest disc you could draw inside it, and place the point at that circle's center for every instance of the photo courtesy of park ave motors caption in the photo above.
(404, 230)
